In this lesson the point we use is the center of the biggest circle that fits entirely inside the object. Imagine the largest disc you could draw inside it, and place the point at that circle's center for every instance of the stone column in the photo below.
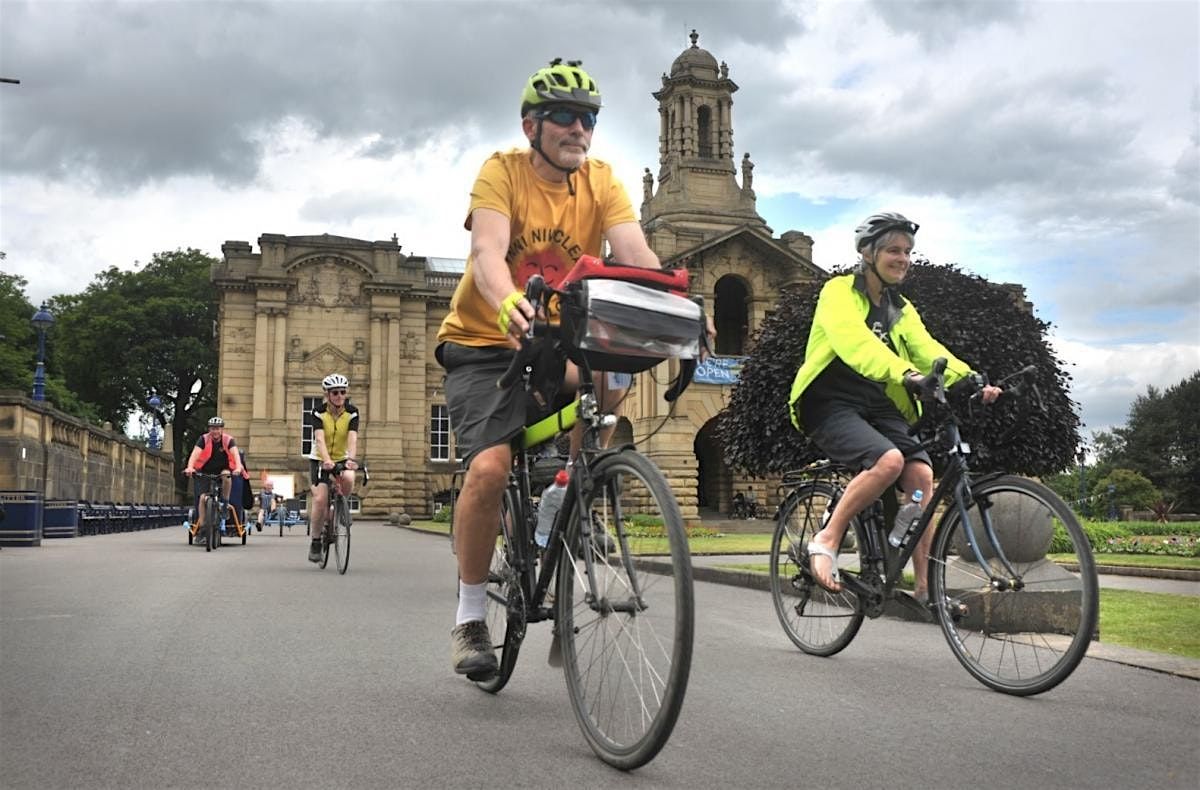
(278, 389)
(262, 363)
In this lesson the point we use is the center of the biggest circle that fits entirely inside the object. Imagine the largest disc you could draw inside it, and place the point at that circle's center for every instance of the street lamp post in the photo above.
(42, 320)
(154, 440)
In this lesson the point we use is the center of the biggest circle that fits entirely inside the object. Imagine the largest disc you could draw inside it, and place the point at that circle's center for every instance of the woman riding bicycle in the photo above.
(335, 439)
(855, 395)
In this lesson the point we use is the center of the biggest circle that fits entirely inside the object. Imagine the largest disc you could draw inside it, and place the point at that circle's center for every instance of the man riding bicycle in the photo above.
(857, 391)
(215, 453)
(335, 439)
(532, 211)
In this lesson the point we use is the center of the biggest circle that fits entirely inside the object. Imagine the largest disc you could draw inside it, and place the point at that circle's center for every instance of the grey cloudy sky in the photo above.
(1055, 144)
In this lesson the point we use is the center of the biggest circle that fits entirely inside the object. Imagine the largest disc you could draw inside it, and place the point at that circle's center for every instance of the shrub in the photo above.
(1131, 488)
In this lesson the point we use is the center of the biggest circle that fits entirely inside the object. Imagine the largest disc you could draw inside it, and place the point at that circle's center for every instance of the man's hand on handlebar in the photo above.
(989, 393)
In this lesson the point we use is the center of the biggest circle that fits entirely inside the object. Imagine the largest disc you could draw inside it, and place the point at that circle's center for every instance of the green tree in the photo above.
(18, 351)
(134, 334)
(1161, 440)
(18, 348)
(1130, 488)
(986, 325)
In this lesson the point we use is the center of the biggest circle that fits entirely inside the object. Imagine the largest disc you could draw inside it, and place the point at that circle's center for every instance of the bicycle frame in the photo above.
(954, 488)
(536, 578)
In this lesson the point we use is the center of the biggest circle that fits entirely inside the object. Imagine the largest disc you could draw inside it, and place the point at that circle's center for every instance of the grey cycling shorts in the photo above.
(856, 441)
(481, 414)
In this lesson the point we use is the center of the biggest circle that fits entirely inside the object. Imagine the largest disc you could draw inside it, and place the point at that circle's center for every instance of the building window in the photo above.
(306, 431)
(704, 132)
(439, 432)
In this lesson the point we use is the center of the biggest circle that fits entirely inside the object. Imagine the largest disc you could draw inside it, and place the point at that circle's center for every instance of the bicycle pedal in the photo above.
(912, 605)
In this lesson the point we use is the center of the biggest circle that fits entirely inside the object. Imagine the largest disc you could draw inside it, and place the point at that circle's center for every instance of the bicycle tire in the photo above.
(341, 535)
(324, 538)
(212, 525)
(505, 598)
(1017, 641)
(626, 653)
(817, 621)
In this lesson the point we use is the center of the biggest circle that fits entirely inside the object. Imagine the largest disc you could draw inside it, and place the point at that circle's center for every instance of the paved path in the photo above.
(135, 661)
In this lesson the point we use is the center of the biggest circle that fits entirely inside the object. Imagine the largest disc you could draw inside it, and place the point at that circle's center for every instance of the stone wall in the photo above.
(62, 457)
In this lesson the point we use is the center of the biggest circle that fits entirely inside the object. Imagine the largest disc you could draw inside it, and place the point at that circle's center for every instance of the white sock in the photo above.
(472, 602)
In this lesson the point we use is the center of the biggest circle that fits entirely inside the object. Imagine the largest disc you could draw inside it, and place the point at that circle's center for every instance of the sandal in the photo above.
(816, 549)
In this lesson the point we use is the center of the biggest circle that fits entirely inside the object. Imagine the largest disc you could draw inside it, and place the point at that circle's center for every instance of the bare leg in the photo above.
(610, 403)
(917, 474)
(477, 512)
(319, 509)
(865, 488)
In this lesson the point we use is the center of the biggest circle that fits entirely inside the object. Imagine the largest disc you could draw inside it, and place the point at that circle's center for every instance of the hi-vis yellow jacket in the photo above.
(839, 329)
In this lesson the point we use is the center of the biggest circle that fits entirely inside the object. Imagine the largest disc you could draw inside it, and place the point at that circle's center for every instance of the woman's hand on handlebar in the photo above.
(990, 393)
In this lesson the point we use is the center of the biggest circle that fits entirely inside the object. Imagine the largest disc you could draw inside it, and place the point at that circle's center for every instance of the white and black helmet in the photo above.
(335, 381)
(216, 422)
(877, 225)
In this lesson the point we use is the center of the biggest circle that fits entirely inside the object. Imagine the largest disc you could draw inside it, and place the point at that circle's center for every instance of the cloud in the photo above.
(939, 23)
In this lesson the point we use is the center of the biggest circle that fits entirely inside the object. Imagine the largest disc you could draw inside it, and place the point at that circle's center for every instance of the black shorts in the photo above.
(856, 440)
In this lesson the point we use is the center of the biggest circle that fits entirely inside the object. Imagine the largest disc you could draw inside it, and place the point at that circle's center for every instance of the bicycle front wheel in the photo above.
(505, 597)
(625, 612)
(212, 526)
(817, 621)
(1025, 637)
(341, 535)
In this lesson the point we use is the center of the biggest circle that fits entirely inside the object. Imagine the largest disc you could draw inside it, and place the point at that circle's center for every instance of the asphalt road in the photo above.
(135, 661)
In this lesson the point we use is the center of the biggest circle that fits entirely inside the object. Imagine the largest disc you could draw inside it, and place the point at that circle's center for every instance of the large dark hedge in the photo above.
(981, 322)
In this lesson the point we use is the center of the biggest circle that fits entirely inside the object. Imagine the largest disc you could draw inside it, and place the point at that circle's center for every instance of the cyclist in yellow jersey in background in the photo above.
(335, 438)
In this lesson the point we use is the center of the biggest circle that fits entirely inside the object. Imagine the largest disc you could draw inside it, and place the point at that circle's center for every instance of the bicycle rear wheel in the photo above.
(627, 652)
(341, 534)
(817, 621)
(1027, 639)
(505, 598)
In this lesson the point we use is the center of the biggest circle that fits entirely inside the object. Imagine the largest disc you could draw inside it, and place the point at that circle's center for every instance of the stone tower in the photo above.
(698, 192)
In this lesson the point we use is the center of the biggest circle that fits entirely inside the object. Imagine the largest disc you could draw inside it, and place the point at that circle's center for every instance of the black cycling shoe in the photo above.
(314, 551)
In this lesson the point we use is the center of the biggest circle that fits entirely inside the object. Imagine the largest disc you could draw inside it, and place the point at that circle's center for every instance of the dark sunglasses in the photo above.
(563, 116)
(336, 392)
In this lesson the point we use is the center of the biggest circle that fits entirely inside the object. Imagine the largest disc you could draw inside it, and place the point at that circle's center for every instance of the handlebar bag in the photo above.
(624, 327)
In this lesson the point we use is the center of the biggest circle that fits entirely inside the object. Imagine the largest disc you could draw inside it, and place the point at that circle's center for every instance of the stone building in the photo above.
(305, 306)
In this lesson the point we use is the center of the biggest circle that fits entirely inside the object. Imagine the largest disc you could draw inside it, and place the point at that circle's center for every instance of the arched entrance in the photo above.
(712, 476)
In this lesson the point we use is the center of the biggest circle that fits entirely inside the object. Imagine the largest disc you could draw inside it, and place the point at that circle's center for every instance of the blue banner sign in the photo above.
(719, 370)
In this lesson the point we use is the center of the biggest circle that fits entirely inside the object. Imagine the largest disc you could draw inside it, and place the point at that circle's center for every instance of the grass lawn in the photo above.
(1151, 621)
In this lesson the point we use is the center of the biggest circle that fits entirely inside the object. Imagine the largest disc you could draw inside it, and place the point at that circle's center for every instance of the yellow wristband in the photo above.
(506, 307)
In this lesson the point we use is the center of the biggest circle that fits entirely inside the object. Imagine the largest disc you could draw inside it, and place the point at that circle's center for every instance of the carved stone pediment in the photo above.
(321, 361)
(329, 281)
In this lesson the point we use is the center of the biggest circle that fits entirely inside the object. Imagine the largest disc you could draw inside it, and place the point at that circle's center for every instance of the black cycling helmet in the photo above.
(216, 422)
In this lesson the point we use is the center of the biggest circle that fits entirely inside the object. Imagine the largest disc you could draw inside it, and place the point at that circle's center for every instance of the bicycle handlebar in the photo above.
(536, 291)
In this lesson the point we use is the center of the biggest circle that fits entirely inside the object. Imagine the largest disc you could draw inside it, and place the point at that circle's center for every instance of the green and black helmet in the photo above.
(561, 83)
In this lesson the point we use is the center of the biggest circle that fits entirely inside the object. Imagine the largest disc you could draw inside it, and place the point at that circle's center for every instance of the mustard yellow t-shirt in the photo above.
(550, 229)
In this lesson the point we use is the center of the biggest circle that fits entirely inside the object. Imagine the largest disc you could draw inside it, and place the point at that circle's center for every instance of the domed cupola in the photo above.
(695, 62)
(697, 174)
